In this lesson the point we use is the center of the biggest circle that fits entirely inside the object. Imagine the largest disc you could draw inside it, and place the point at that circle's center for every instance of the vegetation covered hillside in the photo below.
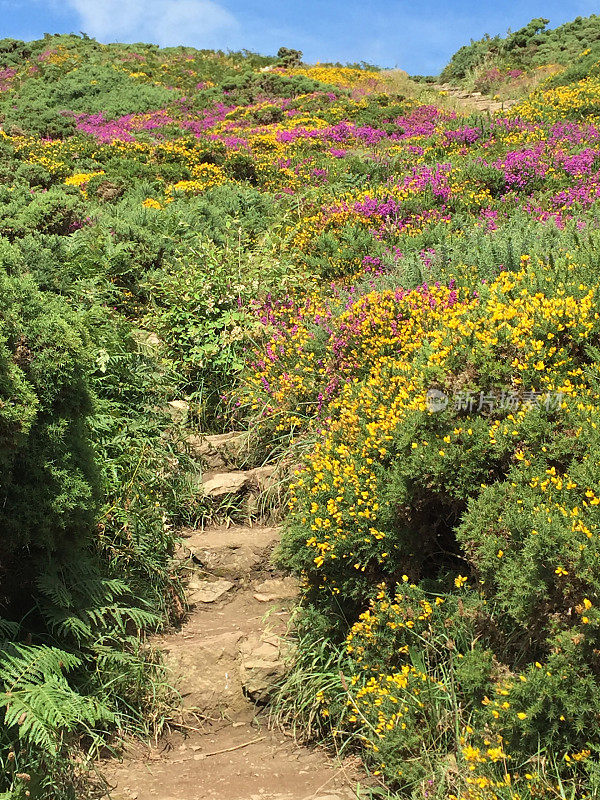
(400, 304)
(517, 62)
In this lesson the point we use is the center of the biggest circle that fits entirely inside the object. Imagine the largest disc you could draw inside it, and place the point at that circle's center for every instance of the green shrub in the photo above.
(48, 212)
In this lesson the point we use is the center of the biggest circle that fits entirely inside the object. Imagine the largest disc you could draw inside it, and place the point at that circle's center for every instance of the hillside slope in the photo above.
(515, 63)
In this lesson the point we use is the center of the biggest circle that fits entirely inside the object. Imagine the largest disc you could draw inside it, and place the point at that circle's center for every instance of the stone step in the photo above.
(220, 484)
(233, 553)
(201, 591)
(276, 589)
(206, 672)
(218, 451)
(264, 659)
(179, 411)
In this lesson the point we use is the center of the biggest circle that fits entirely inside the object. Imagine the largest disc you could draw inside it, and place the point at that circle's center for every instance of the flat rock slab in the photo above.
(178, 411)
(219, 484)
(225, 483)
(208, 591)
(263, 478)
(274, 589)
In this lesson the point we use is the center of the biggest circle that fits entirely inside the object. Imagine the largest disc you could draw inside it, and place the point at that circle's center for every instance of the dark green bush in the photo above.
(49, 482)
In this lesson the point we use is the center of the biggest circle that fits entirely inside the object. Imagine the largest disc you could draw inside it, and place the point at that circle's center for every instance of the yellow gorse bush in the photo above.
(206, 176)
(581, 99)
(334, 492)
(346, 77)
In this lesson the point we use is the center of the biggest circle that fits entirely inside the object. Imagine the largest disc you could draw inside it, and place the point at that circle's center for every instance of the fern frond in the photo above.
(65, 589)
(45, 711)
(21, 663)
(81, 603)
(8, 630)
(37, 698)
(86, 625)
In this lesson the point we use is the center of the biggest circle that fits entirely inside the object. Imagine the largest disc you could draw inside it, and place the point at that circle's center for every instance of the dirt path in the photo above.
(224, 659)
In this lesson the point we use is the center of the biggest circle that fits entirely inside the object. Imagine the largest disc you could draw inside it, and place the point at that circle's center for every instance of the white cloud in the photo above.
(203, 23)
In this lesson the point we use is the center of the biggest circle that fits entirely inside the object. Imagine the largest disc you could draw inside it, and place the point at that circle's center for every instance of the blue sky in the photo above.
(416, 35)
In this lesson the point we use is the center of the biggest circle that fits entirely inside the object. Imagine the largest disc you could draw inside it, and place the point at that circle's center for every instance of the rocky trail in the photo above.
(224, 661)
(473, 101)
